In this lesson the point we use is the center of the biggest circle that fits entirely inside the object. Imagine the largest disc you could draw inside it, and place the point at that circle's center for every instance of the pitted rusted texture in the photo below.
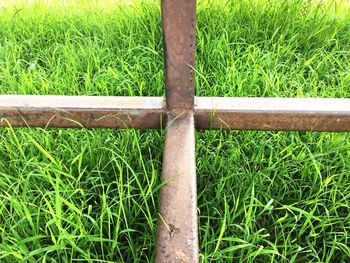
(179, 36)
(82, 111)
(273, 114)
(177, 239)
(177, 223)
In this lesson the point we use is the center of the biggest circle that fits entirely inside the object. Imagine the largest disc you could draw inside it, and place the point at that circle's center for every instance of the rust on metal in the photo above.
(177, 225)
(285, 114)
(179, 36)
(177, 237)
(82, 111)
(275, 114)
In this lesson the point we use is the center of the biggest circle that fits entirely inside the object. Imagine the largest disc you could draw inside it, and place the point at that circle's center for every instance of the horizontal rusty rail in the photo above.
(177, 225)
(274, 114)
(82, 111)
(278, 114)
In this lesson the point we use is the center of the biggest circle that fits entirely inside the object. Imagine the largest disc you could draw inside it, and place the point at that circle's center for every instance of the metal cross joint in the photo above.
(181, 114)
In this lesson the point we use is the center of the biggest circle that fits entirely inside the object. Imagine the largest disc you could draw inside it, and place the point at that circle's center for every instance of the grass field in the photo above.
(92, 195)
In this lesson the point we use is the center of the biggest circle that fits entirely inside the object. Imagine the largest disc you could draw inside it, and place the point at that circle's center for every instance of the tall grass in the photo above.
(92, 195)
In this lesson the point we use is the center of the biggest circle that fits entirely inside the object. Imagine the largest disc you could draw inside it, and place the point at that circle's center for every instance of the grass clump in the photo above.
(92, 195)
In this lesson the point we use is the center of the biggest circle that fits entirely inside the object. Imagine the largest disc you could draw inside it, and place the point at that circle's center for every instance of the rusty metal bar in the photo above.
(179, 31)
(289, 114)
(177, 225)
(177, 237)
(82, 111)
(277, 114)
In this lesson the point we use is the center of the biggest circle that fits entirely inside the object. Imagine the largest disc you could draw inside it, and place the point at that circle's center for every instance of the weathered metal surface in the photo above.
(177, 224)
(276, 114)
(179, 33)
(311, 114)
(177, 239)
(82, 111)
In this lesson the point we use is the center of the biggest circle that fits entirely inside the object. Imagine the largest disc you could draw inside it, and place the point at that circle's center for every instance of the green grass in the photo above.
(92, 195)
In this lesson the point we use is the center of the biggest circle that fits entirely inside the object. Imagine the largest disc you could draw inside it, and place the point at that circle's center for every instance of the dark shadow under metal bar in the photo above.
(274, 114)
(82, 111)
(177, 224)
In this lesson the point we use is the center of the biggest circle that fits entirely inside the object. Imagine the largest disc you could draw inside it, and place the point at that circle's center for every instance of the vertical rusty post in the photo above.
(177, 224)
(177, 237)
(179, 36)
